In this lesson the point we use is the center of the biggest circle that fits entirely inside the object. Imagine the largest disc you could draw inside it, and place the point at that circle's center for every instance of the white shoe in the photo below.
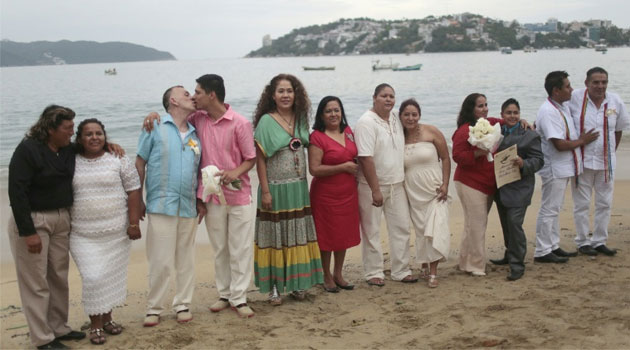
(243, 310)
(151, 320)
(184, 316)
(221, 304)
(478, 273)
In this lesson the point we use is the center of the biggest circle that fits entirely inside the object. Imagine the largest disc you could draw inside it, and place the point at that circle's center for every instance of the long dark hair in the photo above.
(78, 146)
(51, 118)
(301, 102)
(319, 120)
(406, 103)
(467, 112)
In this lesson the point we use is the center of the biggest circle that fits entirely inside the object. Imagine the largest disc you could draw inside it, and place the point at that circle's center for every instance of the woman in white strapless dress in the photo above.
(427, 174)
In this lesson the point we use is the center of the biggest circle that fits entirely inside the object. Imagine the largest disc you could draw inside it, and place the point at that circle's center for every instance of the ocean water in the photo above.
(123, 100)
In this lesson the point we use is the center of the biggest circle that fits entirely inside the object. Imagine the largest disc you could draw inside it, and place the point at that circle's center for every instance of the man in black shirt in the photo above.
(40, 193)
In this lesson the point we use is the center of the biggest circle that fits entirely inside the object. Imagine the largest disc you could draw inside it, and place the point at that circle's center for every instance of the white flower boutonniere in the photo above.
(350, 137)
(610, 112)
(194, 146)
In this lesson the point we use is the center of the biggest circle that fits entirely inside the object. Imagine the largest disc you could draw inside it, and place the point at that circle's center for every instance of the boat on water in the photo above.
(377, 65)
(601, 48)
(506, 50)
(529, 49)
(111, 71)
(408, 68)
(319, 68)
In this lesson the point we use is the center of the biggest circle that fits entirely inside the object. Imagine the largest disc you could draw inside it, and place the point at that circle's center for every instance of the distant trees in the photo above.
(452, 39)
(614, 36)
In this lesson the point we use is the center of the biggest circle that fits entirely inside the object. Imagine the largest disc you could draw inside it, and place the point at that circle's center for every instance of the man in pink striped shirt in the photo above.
(227, 141)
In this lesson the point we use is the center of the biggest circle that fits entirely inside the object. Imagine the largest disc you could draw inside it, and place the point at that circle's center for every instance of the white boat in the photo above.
(601, 47)
(384, 66)
(506, 50)
(528, 49)
(111, 71)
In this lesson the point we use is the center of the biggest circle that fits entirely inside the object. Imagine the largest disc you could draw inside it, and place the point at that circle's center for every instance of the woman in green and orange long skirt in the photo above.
(286, 255)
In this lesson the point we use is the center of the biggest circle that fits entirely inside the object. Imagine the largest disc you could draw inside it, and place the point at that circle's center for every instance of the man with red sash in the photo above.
(594, 108)
(560, 146)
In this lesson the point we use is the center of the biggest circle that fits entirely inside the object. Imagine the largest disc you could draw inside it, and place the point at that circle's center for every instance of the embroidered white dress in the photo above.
(98, 241)
(423, 175)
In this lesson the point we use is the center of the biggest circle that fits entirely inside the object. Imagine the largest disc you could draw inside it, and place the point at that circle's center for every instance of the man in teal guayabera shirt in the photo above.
(168, 158)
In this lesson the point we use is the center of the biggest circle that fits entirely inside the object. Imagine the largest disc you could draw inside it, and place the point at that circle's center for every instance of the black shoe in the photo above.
(587, 250)
(55, 344)
(551, 258)
(562, 253)
(605, 250)
(503, 261)
(514, 275)
(73, 335)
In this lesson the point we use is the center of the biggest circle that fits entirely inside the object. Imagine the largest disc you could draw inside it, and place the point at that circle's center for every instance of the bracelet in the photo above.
(134, 225)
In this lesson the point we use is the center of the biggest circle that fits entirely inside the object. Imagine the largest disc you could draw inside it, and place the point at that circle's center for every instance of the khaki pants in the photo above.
(472, 249)
(170, 251)
(231, 235)
(43, 278)
(396, 210)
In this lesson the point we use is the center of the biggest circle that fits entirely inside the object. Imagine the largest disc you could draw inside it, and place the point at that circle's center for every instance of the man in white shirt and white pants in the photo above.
(560, 144)
(594, 108)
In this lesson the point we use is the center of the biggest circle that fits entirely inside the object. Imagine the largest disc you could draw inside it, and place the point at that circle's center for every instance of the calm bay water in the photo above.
(122, 101)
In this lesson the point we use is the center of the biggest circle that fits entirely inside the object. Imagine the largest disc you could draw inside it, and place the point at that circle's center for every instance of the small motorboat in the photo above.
(506, 50)
(319, 68)
(111, 71)
(378, 66)
(407, 68)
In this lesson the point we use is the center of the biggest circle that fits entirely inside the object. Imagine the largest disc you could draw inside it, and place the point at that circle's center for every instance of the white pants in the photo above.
(396, 209)
(547, 225)
(589, 181)
(170, 251)
(231, 234)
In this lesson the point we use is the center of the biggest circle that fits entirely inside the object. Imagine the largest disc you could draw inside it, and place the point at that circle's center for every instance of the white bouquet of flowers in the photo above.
(485, 136)
(211, 181)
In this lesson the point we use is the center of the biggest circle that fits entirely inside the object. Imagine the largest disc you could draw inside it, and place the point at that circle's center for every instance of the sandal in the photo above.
(274, 297)
(112, 328)
(409, 279)
(424, 273)
(376, 282)
(97, 337)
(433, 281)
(299, 295)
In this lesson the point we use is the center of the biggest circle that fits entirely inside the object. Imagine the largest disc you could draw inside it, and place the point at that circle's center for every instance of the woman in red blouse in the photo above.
(475, 185)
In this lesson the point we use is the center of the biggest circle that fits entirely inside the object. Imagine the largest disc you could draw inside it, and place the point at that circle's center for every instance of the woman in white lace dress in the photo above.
(105, 218)
(427, 173)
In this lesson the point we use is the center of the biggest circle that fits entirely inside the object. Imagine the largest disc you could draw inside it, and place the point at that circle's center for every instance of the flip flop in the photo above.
(331, 290)
(376, 282)
(346, 287)
(409, 279)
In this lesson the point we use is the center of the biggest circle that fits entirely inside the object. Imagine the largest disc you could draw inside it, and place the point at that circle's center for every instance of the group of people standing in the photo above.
(86, 198)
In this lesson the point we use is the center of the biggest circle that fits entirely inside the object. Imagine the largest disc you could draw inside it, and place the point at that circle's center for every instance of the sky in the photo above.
(198, 29)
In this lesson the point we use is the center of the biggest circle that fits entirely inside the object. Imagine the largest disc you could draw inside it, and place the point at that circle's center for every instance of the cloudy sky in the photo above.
(195, 29)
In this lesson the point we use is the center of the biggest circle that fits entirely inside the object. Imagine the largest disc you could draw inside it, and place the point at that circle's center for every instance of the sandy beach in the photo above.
(584, 304)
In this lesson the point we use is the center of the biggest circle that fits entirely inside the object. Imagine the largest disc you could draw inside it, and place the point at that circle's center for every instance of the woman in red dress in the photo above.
(334, 198)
